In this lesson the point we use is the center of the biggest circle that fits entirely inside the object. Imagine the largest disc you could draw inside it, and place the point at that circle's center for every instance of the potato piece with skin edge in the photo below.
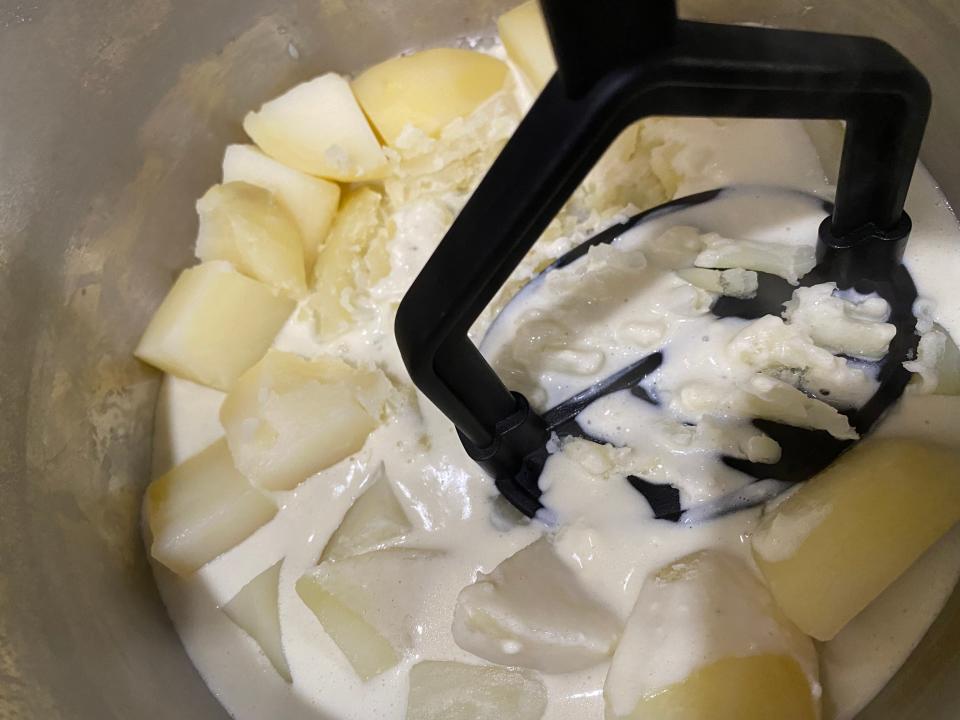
(248, 227)
(213, 325)
(255, 610)
(319, 128)
(705, 636)
(523, 32)
(375, 519)
(288, 418)
(366, 603)
(201, 509)
(457, 691)
(358, 230)
(427, 89)
(310, 200)
(532, 611)
(834, 545)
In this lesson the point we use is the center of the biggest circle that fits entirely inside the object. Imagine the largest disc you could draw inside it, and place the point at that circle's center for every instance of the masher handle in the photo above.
(591, 38)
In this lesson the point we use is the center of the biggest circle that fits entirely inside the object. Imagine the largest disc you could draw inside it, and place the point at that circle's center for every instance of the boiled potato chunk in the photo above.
(841, 325)
(532, 611)
(310, 200)
(757, 687)
(524, 35)
(353, 252)
(706, 640)
(319, 128)
(256, 611)
(735, 282)
(367, 602)
(248, 227)
(791, 262)
(427, 89)
(201, 509)
(762, 396)
(833, 546)
(786, 351)
(375, 519)
(213, 325)
(457, 691)
(937, 364)
(288, 418)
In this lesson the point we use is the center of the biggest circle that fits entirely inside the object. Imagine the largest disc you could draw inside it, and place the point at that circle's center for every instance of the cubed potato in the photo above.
(288, 418)
(427, 89)
(771, 399)
(319, 128)
(937, 365)
(621, 177)
(755, 687)
(374, 520)
(706, 640)
(761, 396)
(457, 691)
(676, 248)
(734, 282)
(201, 509)
(367, 603)
(310, 200)
(842, 325)
(376, 259)
(524, 35)
(790, 262)
(359, 229)
(833, 546)
(255, 609)
(769, 345)
(213, 325)
(532, 611)
(428, 168)
(248, 227)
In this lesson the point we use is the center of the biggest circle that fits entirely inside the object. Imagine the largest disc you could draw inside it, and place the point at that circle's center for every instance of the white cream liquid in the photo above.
(608, 534)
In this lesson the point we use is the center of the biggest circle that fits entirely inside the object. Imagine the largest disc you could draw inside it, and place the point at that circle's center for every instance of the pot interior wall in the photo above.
(113, 118)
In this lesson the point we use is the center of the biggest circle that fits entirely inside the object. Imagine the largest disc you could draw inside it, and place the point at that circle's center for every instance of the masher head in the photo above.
(790, 215)
(619, 62)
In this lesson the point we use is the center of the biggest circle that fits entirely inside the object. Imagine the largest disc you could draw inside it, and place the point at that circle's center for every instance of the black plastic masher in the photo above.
(619, 61)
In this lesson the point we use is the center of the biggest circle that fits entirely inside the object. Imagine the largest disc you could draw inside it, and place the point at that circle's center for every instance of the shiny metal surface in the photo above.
(113, 117)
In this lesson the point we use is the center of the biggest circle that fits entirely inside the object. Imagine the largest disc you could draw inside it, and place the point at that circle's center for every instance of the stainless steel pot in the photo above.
(113, 118)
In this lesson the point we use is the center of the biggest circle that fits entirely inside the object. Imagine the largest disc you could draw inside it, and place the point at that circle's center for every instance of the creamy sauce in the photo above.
(606, 531)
